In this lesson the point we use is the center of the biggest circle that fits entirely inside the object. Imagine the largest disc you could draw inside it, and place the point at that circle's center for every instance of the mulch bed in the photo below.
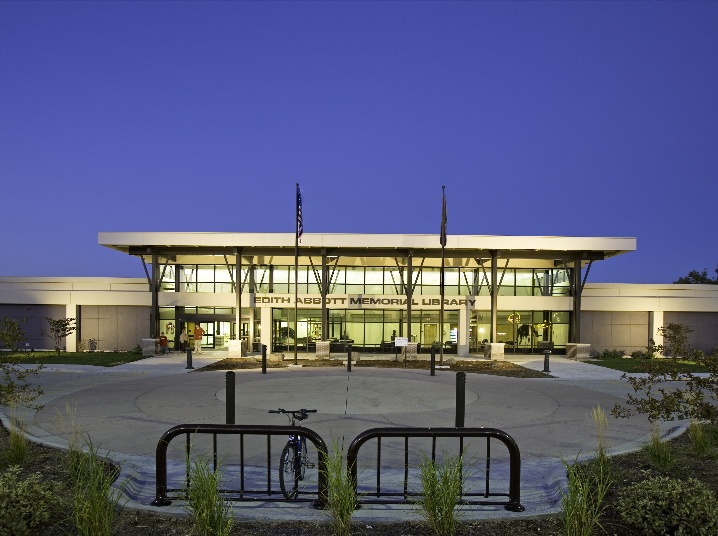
(496, 368)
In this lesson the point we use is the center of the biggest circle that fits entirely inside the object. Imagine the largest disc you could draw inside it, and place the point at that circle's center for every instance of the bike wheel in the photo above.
(303, 459)
(288, 472)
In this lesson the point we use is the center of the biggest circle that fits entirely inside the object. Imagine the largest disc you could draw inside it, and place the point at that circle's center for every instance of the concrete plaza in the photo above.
(125, 410)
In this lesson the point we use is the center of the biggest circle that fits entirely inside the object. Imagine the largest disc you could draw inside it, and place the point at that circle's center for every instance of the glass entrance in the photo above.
(217, 334)
(431, 334)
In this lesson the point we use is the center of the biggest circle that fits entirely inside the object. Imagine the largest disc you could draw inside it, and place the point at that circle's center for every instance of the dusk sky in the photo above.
(540, 118)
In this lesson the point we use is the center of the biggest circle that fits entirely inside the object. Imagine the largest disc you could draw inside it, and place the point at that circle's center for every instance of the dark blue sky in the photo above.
(565, 118)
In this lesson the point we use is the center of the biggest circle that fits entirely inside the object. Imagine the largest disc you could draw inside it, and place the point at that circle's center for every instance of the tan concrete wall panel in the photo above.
(615, 330)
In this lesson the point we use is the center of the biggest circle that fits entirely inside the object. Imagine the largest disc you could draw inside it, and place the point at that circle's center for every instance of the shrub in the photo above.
(442, 488)
(612, 354)
(18, 449)
(601, 423)
(211, 515)
(95, 500)
(583, 501)
(638, 354)
(24, 503)
(663, 505)
(342, 497)
(69, 425)
(700, 441)
(658, 452)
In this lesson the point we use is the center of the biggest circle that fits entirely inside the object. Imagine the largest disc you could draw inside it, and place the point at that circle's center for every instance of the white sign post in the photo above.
(401, 342)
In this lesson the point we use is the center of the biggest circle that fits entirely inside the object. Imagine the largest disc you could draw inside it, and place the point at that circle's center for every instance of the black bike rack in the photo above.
(513, 503)
(164, 495)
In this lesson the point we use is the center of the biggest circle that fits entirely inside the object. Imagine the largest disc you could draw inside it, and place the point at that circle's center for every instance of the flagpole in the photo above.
(441, 279)
(296, 267)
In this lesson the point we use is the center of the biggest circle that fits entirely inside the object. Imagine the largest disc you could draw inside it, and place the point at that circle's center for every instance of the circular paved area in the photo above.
(128, 412)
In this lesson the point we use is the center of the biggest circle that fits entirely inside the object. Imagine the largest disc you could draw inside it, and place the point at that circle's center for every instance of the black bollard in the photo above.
(189, 359)
(433, 361)
(229, 384)
(460, 398)
(349, 358)
(546, 353)
(264, 359)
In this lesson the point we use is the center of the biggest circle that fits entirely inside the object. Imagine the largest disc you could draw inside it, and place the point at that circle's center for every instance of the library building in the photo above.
(501, 294)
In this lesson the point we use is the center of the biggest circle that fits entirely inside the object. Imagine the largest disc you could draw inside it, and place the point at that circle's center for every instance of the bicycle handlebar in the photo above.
(299, 414)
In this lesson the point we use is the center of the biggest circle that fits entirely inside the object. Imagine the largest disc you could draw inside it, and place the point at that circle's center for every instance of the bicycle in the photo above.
(293, 461)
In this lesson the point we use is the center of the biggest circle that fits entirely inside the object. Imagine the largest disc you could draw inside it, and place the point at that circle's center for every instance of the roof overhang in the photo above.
(203, 248)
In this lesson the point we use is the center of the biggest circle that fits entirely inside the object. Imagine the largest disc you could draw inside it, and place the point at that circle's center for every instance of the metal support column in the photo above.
(325, 289)
(238, 295)
(155, 312)
(409, 292)
(577, 290)
(494, 294)
(252, 305)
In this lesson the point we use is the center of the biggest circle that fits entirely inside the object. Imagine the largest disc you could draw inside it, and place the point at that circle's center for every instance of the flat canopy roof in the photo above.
(200, 248)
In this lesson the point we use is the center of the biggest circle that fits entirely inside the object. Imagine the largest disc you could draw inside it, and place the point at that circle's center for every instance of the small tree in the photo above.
(14, 388)
(59, 329)
(675, 340)
(667, 393)
(660, 396)
(11, 334)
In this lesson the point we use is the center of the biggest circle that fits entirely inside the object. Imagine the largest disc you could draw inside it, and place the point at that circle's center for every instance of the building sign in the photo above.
(401, 341)
(359, 302)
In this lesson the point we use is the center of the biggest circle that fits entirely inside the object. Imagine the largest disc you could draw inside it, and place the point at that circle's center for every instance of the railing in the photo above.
(164, 495)
(468, 497)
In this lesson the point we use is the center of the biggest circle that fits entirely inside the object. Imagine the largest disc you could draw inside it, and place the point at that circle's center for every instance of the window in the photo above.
(355, 280)
(374, 280)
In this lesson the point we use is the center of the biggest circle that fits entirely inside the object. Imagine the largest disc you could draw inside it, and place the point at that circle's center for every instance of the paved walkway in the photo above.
(125, 409)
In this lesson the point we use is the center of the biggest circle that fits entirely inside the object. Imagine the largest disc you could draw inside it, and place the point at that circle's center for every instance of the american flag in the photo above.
(300, 225)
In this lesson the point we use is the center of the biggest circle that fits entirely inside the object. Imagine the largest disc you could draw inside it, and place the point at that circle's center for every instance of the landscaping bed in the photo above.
(626, 469)
(497, 368)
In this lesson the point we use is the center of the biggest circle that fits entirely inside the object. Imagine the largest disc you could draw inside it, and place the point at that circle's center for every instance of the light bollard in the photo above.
(433, 361)
(349, 358)
(229, 384)
(460, 398)
(189, 359)
(546, 353)
(264, 359)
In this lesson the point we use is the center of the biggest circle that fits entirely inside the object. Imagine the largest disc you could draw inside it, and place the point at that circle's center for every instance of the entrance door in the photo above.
(430, 334)
(208, 338)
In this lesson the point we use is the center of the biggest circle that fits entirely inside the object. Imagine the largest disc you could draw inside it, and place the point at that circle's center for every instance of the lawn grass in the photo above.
(631, 364)
(98, 359)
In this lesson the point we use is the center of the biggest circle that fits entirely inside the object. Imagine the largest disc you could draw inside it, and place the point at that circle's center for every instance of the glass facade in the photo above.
(367, 330)
(368, 280)
(370, 329)
(520, 331)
